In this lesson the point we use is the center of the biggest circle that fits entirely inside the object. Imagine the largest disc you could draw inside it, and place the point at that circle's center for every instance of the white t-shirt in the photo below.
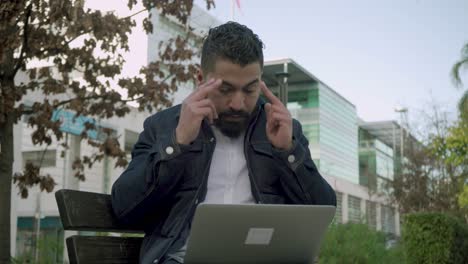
(228, 180)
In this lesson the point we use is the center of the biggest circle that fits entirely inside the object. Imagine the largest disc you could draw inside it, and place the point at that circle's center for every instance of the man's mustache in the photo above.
(233, 114)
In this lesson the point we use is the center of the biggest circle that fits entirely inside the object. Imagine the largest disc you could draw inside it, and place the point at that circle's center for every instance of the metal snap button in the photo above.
(169, 150)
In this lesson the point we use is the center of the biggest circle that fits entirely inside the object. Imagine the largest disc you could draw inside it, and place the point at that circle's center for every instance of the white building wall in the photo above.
(166, 28)
(94, 181)
(348, 188)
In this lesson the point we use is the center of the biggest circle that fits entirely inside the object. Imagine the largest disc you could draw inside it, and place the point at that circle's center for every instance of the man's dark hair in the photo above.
(234, 42)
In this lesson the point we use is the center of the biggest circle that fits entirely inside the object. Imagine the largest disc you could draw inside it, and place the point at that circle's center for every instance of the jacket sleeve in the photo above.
(151, 177)
(300, 178)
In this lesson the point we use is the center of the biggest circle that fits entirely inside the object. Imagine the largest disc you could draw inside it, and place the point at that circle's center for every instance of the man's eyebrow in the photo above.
(247, 85)
(250, 83)
(227, 84)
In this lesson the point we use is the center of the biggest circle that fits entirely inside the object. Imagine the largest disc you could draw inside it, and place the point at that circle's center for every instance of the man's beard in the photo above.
(232, 129)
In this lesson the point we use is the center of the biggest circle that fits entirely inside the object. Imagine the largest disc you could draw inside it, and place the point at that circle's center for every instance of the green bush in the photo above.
(435, 238)
(50, 251)
(356, 243)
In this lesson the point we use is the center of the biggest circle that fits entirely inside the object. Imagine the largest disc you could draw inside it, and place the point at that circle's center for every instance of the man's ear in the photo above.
(199, 77)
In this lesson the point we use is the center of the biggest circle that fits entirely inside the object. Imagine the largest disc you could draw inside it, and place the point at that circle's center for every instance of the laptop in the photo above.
(257, 233)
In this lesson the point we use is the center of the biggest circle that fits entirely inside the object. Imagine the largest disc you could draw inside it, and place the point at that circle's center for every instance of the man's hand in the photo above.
(195, 108)
(279, 121)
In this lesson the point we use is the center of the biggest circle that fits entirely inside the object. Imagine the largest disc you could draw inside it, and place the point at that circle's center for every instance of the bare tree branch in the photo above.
(134, 14)
(25, 39)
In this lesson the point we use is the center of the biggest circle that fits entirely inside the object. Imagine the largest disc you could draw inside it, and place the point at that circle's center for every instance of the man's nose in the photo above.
(237, 102)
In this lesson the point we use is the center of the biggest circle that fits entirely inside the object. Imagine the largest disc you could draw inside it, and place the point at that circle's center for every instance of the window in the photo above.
(130, 140)
(354, 209)
(50, 240)
(371, 214)
(48, 158)
(338, 215)
(388, 219)
(27, 107)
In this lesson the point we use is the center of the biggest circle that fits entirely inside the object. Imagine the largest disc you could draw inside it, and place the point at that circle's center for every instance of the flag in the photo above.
(238, 4)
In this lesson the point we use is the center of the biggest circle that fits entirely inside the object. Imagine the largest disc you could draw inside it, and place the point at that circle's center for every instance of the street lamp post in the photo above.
(37, 234)
(403, 111)
(282, 79)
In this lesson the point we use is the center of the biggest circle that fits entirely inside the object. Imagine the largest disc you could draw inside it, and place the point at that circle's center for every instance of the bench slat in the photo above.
(99, 249)
(87, 211)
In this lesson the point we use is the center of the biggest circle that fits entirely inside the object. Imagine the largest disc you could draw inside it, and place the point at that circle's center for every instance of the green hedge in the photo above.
(356, 243)
(435, 238)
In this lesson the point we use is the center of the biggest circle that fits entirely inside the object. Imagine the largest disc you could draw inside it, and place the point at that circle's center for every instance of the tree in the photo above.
(463, 197)
(434, 171)
(456, 70)
(453, 150)
(410, 187)
(456, 145)
(68, 35)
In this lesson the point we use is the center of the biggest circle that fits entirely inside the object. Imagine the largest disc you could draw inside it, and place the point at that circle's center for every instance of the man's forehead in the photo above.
(222, 64)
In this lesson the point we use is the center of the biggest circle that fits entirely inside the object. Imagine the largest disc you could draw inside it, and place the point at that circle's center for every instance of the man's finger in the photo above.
(195, 91)
(203, 90)
(206, 112)
(207, 103)
(282, 118)
(280, 108)
(269, 111)
(267, 108)
(273, 99)
(207, 83)
(271, 122)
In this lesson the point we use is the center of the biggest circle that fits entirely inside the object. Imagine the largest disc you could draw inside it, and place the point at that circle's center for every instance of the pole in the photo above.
(394, 139)
(402, 112)
(65, 158)
(38, 226)
(285, 84)
(282, 80)
(401, 141)
(106, 178)
(232, 10)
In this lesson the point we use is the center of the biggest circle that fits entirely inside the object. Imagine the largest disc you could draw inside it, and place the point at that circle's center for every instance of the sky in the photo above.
(377, 54)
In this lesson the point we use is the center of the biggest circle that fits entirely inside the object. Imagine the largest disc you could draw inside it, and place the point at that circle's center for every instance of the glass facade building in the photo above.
(376, 161)
(351, 157)
(328, 121)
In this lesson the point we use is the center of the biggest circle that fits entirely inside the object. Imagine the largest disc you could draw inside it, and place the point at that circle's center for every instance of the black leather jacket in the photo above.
(164, 182)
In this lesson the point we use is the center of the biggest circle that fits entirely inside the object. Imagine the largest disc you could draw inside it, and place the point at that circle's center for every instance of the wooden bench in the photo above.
(87, 211)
